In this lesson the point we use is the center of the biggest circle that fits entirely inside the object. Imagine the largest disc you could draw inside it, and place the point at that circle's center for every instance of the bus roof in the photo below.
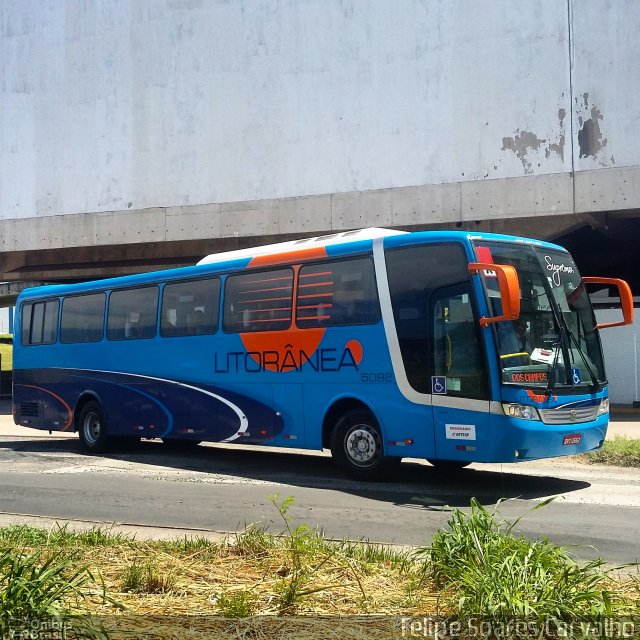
(294, 245)
(238, 259)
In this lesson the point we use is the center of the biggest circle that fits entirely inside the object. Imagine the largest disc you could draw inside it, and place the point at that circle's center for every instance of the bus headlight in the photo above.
(523, 411)
(604, 407)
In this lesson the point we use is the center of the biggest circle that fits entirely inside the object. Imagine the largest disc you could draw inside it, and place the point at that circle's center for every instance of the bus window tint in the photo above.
(40, 322)
(337, 293)
(50, 327)
(27, 311)
(190, 308)
(258, 301)
(456, 346)
(37, 320)
(414, 273)
(82, 318)
(132, 314)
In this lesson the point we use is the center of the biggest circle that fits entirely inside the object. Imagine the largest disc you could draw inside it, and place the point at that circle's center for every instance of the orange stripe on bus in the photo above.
(69, 419)
(317, 295)
(244, 293)
(288, 319)
(261, 280)
(250, 300)
(298, 255)
(258, 310)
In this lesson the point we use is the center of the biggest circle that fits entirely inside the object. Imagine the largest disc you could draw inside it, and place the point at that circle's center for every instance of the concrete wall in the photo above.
(622, 357)
(195, 118)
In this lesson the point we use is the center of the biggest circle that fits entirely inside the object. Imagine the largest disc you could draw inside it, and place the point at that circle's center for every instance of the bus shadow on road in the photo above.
(414, 484)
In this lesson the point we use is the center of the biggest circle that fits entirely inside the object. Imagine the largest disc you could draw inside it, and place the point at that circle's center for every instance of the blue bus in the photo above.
(376, 344)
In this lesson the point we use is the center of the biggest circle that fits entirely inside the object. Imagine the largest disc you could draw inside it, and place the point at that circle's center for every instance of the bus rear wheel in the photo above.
(356, 445)
(92, 429)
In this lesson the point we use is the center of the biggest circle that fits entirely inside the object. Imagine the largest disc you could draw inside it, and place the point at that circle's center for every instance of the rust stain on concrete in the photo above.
(521, 144)
(525, 141)
(590, 138)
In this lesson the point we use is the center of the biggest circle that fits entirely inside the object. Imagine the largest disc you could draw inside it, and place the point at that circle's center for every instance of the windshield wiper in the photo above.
(562, 342)
(556, 346)
(563, 330)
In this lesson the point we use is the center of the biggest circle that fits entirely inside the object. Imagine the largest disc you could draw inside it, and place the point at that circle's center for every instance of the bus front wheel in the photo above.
(356, 445)
(92, 428)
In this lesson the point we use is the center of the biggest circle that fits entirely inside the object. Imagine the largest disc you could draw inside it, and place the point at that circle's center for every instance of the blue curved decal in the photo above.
(166, 411)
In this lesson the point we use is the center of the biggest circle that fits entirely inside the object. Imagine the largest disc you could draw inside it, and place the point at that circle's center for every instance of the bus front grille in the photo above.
(569, 416)
(29, 409)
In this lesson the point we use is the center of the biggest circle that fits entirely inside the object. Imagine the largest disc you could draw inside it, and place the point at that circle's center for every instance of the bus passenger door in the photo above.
(460, 386)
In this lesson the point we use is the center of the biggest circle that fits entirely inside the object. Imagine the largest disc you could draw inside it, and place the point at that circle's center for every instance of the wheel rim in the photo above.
(91, 428)
(362, 445)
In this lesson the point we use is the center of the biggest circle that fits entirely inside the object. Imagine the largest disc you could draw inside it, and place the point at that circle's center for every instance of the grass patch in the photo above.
(59, 536)
(253, 573)
(198, 544)
(488, 573)
(370, 553)
(6, 356)
(621, 452)
(146, 578)
(254, 540)
(38, 587)
(240, 604)
(475, 568)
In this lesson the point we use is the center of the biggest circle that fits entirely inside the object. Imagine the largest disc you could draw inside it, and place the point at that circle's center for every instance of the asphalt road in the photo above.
(223, 488)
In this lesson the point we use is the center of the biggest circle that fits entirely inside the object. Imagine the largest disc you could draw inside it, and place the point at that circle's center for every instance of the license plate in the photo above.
(572, 438)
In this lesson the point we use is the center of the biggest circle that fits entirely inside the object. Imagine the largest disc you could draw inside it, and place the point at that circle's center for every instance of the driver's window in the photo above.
(514, 340)
(456, 345)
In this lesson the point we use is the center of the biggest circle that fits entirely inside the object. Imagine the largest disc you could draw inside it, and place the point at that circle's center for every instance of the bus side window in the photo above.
(25, 329)
(258, 301)
(414, 272)
(337, 293)
(190, 308)
(50, 327)
(132, 313)
(82, 318)
(40, 322)
(37, 322)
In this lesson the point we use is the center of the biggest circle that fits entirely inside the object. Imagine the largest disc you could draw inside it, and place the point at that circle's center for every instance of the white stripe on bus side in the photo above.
(244, 422)
(396, 356)
(390, 327)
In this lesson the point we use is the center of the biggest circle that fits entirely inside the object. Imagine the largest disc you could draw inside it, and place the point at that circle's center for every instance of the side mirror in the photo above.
(626, 299)
(509, 286)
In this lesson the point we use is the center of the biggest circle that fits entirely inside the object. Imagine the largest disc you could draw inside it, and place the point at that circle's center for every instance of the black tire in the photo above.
(356, 445)
(448, 466)
(92, 429)
(176, 443)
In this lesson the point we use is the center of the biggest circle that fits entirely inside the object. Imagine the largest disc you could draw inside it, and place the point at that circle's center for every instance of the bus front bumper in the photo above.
(517, 440)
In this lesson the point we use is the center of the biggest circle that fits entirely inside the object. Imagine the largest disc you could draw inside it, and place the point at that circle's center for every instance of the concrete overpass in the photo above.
(163, 238)
(144, 135)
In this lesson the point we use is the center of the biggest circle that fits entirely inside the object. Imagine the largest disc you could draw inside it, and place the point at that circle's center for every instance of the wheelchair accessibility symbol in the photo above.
(575, 373)
(439, 385)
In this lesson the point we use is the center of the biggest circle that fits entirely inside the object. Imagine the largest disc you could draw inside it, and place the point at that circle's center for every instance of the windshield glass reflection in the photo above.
(555, 340)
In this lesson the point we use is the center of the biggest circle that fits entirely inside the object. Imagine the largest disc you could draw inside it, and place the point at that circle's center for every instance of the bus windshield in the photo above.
(555, 342)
